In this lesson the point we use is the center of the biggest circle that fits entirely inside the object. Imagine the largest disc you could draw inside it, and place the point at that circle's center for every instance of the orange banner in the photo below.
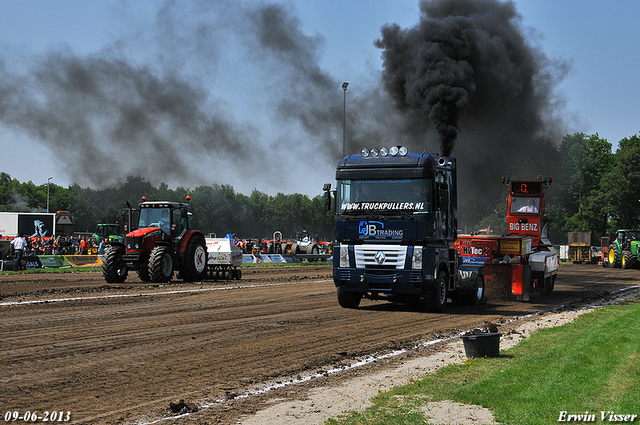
(84, 260)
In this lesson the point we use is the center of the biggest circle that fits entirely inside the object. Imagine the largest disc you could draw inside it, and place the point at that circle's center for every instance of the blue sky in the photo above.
(596, 39)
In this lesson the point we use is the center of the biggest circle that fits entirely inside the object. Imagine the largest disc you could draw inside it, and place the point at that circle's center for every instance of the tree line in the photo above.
(594, 190)
(217, 209)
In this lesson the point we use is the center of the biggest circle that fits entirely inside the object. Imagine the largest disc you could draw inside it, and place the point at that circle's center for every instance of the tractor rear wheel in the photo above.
(161, 264)
(114, 269)
(614, 256)
(195, 257)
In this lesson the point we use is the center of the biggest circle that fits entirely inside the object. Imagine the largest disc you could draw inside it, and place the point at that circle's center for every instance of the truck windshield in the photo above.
(525, 204)
(384, 195)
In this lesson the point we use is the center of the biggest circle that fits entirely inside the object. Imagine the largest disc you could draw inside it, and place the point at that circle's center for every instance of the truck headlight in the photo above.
(344, 255)
(416, 259)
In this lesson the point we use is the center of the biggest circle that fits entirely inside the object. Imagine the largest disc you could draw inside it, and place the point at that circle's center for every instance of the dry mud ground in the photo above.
(258, 350)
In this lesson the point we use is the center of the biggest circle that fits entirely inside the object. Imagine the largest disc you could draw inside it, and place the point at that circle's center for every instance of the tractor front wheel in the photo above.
(143, 273)
(161, 264)
(628, 260)
(114, 269)
(313, 250)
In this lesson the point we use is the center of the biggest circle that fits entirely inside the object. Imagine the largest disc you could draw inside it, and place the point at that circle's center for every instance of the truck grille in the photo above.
(380, 256)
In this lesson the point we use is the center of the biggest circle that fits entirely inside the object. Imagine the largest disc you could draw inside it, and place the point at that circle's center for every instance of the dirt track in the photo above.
(123, 353)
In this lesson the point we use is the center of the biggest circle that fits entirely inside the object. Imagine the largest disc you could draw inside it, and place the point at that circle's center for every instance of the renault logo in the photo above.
(380, 257)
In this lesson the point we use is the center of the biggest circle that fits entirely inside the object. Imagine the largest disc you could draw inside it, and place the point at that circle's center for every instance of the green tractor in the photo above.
(624, 251)
(111, 231)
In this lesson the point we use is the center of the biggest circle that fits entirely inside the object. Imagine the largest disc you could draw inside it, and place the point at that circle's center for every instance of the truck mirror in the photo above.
(326, 187)
(327, 200)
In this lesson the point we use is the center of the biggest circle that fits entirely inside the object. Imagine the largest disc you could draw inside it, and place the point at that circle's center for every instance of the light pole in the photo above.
(48, 181)
(344, 118)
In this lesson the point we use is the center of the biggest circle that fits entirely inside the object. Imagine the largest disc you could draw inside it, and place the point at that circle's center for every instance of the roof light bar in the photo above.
(392, 151)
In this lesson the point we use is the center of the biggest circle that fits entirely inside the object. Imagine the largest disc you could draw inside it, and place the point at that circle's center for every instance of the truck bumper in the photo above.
(390, 282)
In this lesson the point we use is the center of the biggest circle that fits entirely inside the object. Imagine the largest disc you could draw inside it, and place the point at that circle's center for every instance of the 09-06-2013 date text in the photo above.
(35, 416)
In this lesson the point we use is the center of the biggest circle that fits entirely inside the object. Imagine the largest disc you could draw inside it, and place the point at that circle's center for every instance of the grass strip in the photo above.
(588, 366)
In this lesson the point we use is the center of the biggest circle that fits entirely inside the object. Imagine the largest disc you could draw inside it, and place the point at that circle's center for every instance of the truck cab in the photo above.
(396, 220)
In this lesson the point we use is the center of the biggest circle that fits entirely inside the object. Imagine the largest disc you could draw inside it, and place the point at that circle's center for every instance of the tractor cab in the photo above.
(170, 217)
(109, 231)
(526, 210)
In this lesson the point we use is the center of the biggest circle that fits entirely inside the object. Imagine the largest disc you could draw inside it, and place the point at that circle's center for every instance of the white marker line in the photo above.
(181, 291)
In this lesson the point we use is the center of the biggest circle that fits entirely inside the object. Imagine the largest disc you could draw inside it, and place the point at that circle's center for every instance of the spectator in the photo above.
(58, 246)
(48, 250)
(19, 245)
(71, 246)
(102, 247)
(35, 246)
(84, 246)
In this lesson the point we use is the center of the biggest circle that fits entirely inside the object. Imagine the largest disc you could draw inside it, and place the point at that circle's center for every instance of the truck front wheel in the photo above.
(438, 302)
(114, 269)
(348, 299)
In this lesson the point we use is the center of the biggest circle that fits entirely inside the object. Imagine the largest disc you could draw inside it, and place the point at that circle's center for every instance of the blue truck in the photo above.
(396, 221)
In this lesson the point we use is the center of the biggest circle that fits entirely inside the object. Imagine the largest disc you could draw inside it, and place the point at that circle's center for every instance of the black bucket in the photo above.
(482, 345)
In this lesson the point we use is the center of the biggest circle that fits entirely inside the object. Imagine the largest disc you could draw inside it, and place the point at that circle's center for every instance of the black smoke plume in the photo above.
(467, 63)
(156, 103)
(470, 70)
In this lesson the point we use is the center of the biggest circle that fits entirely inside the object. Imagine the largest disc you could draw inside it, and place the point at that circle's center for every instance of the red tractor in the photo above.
(161, 244)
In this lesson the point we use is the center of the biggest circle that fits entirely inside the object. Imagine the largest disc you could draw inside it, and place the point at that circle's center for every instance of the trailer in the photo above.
(224, 258)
